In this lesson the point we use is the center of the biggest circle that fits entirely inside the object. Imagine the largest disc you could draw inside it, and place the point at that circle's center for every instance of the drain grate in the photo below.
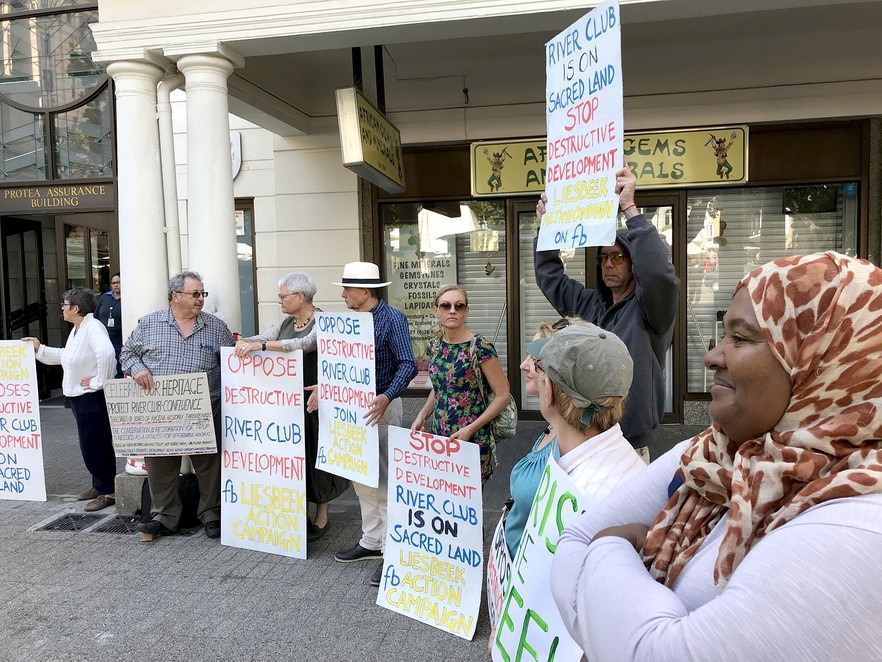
(117, 524)
(71, 522)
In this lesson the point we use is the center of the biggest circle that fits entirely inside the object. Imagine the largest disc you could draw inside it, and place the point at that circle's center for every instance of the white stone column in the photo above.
(142, 251)
(211, 230)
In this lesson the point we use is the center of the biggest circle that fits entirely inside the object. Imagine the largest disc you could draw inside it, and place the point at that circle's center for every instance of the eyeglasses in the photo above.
(65, 305)
(538, 366)
(615, 258)
(196, 295)
(459, 306)
(562, 323)
(282, 297)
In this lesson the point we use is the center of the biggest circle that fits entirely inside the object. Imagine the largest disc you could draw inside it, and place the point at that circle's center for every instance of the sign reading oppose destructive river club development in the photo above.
(583, 66)
(346, 387)
(21, 440)
(433, 560)
(262, 476)
(173, 418)
(529, 621)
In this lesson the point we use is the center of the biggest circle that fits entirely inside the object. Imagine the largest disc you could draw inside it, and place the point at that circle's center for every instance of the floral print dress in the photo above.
(458, 398)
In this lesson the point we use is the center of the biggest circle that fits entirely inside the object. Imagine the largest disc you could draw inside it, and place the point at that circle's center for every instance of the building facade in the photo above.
(797, 81)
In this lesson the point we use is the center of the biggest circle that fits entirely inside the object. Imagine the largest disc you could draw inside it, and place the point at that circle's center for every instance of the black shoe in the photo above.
(155, 527)
(357, 553)
(377, 577)
(212, 528)
(314, 532)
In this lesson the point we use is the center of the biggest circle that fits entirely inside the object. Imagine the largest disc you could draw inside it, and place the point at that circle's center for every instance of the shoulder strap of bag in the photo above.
(476, 365)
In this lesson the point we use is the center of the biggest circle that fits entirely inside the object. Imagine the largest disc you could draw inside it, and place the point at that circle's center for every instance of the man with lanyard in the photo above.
(395, 367)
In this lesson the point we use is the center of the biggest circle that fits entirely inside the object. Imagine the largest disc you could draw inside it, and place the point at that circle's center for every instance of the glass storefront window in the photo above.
(84, 140)
(99, 255)
(731, 231)
(22, 145)
(47, 60)
(432, 244)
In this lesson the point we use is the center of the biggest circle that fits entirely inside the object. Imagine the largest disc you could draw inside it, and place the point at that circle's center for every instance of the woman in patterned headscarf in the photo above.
(765, 543)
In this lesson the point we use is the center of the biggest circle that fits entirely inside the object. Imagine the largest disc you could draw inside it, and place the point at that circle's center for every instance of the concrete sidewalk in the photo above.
(107, 596)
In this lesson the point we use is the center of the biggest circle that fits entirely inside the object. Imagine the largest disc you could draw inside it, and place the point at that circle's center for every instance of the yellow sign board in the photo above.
(371, 144)
(695, 157)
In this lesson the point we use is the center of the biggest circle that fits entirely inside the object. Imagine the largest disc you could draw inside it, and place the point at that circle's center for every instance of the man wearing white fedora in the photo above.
(395, 367)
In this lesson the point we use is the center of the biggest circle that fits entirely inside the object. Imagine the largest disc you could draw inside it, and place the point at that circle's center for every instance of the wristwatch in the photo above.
(263, 345)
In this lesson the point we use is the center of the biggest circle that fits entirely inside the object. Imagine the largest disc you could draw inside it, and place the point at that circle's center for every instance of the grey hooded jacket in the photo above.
(644, 320)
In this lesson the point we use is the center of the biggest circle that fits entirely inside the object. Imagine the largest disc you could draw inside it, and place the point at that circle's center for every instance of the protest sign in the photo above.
(262, 476)
(21, 440)
(498, 571)
(529, 620)
(173, 418)
(346, 387)
(584, 117)
(434, 533)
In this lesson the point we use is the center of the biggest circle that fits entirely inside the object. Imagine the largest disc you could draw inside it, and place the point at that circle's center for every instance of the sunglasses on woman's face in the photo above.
(459, 306)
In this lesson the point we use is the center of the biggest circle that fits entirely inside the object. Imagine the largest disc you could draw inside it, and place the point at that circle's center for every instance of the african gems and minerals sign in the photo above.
(583, 67)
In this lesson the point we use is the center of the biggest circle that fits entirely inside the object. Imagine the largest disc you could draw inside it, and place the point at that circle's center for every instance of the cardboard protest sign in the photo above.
(346, 387)
(529, 621)
(174, 418)
(584, 116)
(262, 475)
(21, 440)
(434, 532)
(498, 571)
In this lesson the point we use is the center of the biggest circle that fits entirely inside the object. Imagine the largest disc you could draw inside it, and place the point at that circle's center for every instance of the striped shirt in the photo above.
(157, 345)
(87, 353)
(394, 354)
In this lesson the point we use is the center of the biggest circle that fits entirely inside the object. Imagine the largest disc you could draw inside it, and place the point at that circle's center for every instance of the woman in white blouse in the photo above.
(88, 360)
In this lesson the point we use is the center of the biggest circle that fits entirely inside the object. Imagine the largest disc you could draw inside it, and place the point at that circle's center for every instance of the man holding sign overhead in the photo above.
(635, 298)
(395, 367)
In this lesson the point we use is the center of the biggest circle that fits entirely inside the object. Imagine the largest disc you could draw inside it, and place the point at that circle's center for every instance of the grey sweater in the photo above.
(644, 320)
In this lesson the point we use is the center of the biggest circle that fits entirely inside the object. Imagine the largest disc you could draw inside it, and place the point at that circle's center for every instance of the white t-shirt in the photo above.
(809, 590)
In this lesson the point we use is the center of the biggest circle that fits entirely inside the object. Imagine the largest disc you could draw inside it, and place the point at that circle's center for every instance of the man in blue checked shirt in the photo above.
(395, 367)
(180, 339)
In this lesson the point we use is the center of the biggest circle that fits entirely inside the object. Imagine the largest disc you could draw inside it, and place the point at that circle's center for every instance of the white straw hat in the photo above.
(361, 274)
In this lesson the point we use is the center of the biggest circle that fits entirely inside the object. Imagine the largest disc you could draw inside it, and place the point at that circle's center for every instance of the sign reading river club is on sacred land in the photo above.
(262, 476)
(347, 386)
(21, 440)
(434, 557)
(584, 116)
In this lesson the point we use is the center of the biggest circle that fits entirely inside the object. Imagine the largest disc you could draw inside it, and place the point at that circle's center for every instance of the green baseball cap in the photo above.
(586, 362)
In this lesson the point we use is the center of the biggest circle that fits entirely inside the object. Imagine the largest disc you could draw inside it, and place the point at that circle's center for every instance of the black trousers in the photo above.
(96, 441)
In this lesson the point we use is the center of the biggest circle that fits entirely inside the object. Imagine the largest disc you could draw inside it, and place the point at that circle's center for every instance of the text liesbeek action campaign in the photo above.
(585, 131)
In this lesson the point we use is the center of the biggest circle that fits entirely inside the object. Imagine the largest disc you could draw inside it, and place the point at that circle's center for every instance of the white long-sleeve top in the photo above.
(809, 590)
(602, 463)
(87, 353)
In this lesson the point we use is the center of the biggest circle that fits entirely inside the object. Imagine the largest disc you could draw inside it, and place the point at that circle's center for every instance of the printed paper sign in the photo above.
(529, 622)
(174, 418)
(498, 571)
(346, 386)
(262, 476)
(434, 534)
(584, 116)
(21, 441)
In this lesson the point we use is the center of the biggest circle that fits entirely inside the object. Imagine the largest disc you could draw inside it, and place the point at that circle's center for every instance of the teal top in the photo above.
(525, 477)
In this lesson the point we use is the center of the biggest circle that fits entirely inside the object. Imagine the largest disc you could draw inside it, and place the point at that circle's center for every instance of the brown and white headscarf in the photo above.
(822, 316)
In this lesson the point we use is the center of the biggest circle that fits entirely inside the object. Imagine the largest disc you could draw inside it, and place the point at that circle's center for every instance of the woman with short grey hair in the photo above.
(298, 331)
(88, 360)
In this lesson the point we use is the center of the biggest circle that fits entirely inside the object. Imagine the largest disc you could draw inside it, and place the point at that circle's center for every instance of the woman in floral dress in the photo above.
(456, 405)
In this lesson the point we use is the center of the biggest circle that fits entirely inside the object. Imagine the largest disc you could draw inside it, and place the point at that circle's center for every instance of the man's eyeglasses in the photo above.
(615, 258)
(195, 295)
(65, 305)
(459, 306)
